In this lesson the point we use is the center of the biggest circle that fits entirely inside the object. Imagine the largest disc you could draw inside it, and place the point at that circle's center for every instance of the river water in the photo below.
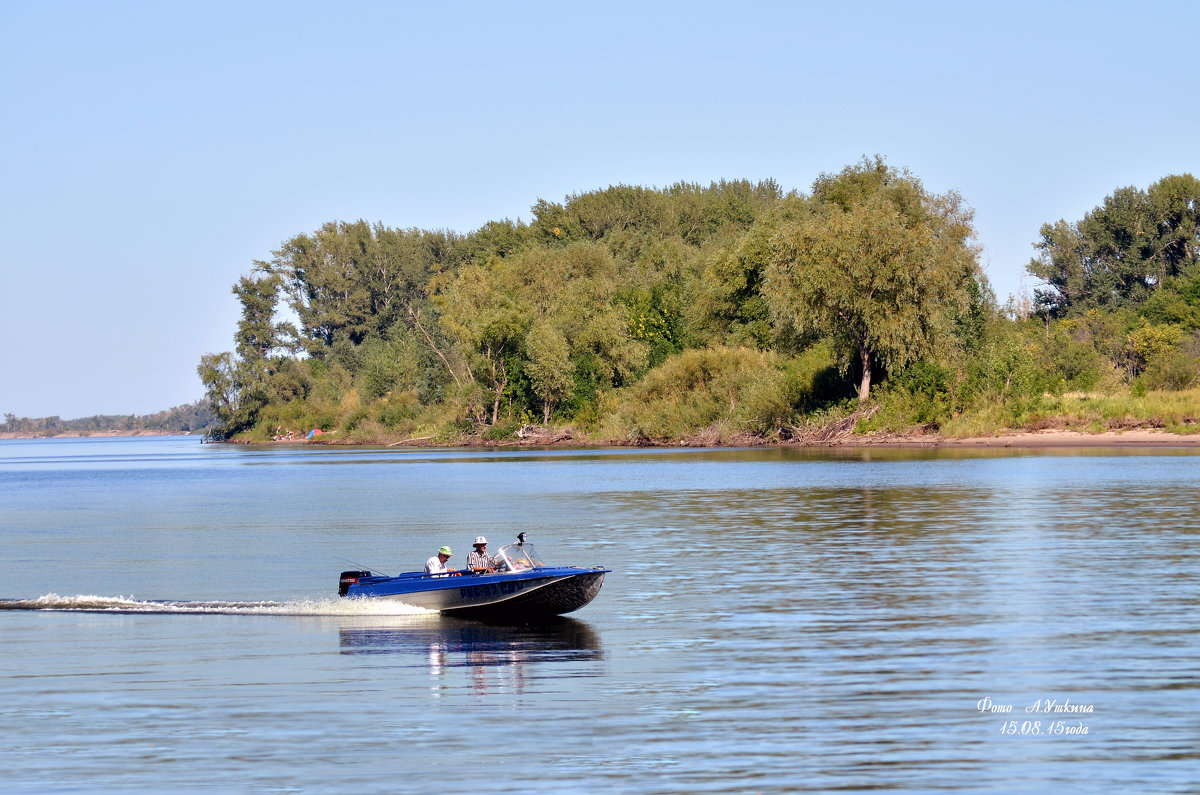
(776, 621)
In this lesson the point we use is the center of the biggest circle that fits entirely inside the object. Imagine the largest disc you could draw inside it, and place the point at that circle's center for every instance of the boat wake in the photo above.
(333, 606)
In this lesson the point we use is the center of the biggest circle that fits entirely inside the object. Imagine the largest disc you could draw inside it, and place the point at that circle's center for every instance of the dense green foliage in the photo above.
(1122, 301)
(707, 312)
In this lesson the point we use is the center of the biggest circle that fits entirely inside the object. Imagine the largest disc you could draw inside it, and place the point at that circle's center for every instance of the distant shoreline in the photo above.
(1016, 439)
(90, 434)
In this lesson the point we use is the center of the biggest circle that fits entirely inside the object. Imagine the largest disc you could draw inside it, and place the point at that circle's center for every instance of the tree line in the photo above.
(190, 418)
(735, 307)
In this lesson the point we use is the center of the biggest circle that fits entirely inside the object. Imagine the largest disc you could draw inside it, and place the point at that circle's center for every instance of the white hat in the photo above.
(479, 540)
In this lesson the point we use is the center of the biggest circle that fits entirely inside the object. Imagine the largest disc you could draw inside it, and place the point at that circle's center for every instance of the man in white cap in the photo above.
(437, 564)
(479, 561)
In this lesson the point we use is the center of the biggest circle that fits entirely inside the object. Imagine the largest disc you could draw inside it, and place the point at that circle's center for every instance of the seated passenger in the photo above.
(479, 561)
(437, 564)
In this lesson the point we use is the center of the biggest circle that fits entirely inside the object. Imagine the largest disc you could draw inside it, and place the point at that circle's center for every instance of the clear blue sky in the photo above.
(151, 151)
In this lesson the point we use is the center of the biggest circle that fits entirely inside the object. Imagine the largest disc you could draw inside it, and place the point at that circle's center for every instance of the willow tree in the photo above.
(882, 267)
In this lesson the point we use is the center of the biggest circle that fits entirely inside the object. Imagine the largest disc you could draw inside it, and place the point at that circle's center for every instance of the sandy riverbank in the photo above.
(1137, 438)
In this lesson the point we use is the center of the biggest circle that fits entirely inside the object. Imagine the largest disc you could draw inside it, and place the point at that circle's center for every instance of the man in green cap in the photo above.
(437, 564)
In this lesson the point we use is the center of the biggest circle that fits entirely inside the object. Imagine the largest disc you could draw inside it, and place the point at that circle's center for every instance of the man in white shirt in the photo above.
(437, 564)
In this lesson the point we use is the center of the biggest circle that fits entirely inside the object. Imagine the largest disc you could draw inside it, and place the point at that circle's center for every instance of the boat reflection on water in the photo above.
(490, 657)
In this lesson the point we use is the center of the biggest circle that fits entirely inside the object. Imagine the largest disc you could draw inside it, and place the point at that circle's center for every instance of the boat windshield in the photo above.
(517, 557)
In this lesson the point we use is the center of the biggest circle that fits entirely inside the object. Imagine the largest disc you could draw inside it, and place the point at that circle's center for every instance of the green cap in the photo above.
(445, 551)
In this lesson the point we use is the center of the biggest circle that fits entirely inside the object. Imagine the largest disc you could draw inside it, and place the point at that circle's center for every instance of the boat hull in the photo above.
(536, 593)
(565, 595)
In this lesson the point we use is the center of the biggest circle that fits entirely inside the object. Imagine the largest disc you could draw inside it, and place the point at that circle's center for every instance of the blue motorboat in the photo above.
(522, 587)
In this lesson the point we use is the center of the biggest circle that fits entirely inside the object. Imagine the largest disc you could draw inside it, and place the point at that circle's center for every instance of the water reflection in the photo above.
(497, 658)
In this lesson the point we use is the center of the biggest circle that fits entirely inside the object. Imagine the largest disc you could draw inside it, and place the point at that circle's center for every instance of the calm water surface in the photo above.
(776, 621)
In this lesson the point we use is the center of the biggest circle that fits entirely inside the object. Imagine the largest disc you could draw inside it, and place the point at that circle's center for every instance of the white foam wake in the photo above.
(331, 606)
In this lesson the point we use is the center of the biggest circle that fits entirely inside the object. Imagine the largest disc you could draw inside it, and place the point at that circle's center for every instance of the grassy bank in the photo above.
(721, 409)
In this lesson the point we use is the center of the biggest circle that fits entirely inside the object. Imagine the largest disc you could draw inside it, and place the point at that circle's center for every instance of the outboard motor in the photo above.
(349, 578)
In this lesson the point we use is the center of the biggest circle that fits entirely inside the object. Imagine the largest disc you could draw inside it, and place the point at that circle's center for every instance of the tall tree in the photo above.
(883, 267)
(354, 280)
(257, 332)
(1122, 251)
(238, 386)
(489, 324)
(549, 365)
(1175, 210)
